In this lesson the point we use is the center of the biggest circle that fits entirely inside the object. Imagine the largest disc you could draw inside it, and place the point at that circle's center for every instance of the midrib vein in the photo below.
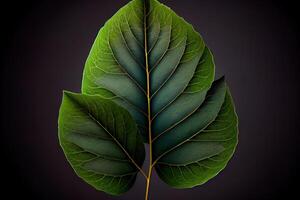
(147, 76)
(148, 101)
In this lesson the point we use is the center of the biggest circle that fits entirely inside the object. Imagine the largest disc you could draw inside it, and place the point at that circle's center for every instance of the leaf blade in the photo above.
(181, 75)
(191, 125)
(92, 133)
(196, 169)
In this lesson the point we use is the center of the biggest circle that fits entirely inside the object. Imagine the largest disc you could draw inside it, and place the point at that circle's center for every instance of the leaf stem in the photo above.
(148, 103)
(148, 183)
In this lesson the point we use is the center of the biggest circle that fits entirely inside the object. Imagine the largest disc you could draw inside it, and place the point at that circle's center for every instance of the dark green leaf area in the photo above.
(202, 144)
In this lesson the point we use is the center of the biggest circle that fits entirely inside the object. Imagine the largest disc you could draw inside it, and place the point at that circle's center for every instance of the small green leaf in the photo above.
(198, 148)
(101, 142)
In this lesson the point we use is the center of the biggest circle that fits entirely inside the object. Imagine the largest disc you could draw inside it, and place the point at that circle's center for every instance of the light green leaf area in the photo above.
(101, 141)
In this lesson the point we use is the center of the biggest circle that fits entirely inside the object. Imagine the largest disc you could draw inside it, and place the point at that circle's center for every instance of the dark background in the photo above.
(255, 43)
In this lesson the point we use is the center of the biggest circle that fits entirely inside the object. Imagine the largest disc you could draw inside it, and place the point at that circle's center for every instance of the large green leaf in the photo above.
(154, 64)
(180, 65)
(101, 142)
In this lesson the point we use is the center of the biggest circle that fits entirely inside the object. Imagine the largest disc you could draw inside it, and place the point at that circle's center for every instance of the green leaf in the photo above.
(154, 64)
(197, 149)
(101, 142)
(181, 67)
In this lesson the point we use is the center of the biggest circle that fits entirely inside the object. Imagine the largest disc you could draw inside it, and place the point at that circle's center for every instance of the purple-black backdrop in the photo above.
(45, 44)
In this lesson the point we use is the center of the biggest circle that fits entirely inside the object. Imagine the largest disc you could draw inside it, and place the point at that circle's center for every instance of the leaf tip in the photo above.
(222, 78)
(67, 93)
